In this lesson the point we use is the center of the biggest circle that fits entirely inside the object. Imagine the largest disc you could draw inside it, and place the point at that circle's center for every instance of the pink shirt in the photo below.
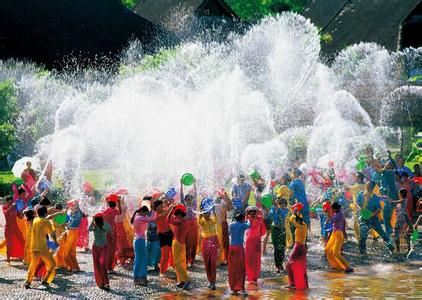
(140, 224)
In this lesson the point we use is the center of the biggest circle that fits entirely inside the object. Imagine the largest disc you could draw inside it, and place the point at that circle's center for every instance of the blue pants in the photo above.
(141, 259)
(364, 226)
(154, 253)
(387, 218)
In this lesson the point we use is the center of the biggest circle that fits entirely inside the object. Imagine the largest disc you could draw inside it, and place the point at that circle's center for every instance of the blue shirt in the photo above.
(404, 169)
(299, 193)
(386, 182)
(237, 232)
(373, 202)
(278, 215)
(239, 191)
(75, 220)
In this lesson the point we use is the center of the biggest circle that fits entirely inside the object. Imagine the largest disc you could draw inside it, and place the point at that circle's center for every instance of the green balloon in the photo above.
(188, 179)
(366, 214)
(267, 201)
(60, 219)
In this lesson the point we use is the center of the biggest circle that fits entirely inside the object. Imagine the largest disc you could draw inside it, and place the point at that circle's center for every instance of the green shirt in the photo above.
(100, 234)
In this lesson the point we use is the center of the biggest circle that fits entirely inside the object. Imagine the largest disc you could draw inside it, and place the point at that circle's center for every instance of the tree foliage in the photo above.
(255, 9)
(8, 112)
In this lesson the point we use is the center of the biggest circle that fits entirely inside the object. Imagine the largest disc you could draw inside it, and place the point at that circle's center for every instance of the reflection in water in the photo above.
(378, 281)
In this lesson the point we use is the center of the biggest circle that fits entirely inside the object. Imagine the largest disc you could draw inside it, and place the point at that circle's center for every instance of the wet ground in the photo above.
(379, 275)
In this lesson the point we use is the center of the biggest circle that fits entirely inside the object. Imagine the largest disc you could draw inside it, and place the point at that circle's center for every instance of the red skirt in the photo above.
(236, 268)
(296, 267)
(253, 258)
(83, 239)
(210, 255)
(191, 240)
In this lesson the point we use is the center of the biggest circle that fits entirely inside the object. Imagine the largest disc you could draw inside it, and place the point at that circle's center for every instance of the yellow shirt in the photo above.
(40, 228)
(301, 230)
(355, 189)
(208, 228)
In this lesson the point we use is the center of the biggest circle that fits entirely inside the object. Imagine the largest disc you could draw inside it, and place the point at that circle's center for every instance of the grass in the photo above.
(7, 177)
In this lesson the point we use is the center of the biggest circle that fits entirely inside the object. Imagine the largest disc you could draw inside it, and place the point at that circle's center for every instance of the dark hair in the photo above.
(58, 206)
(281, 201)
(111, 204)
(42, 211)
(287, 178)
(299, 220)
(404, 174)
(180, 213)
(360, 175)
(336, 205)
(21, 191)
(8, 198)
(239, 217)
(403, 193)
(99, 221)
(29, 214)
(147, 198)
(144, 209)
(157, 203)
(45, 201)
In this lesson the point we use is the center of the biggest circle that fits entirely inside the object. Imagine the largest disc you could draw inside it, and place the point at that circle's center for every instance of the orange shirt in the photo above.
(179, 228)
(40, 228)
(300, 232)
(162, 222)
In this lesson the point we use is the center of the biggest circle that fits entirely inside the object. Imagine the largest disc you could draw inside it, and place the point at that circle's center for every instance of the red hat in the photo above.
(298, 206)
(113, 198)
(326, 206)
(100, 214)
(180, 206)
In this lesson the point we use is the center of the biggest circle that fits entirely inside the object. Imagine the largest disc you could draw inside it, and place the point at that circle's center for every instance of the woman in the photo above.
(253, 244)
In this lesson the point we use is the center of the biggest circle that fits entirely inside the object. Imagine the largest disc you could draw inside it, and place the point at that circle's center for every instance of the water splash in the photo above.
(212, 109)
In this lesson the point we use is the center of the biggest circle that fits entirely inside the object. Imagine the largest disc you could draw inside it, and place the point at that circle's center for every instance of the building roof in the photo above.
(354, 21)
(169, 13)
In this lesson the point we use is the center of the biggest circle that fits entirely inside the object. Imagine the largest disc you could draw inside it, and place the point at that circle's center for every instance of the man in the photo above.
(39, 251)
(240, 193)
(299, 195)
(401, 168)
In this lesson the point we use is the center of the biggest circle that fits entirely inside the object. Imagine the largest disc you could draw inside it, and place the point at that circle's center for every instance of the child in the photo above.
(192, 235)
(403, 221)
(253, 244)
(296, 266)
(326, 223)
(29, 217)
(15, 242)
(153, 246)
(139, 223)
(39, 251)
(72, 234)
(209, 246)
(124, 250)
(109, 216)
(335, 243)
(176, 218)
(165, 235)
(100, 250)
(236, 259)
(278, 215)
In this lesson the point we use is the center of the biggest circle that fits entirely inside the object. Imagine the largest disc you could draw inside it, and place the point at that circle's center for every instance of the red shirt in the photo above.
(109, 217)
(162, 222)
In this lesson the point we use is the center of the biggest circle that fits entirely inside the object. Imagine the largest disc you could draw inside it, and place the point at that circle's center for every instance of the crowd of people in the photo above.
(228, 227)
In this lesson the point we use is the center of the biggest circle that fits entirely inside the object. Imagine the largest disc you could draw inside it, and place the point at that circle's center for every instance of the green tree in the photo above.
(8, 112)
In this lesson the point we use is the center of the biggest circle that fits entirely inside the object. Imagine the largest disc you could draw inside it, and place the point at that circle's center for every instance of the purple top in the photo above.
(339, 223)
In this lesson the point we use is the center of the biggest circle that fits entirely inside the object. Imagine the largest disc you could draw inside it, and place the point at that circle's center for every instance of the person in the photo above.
(176, 218)
(404, 223)
(336, 240)
(140, 219)
(299, 195)
(41, 227)
(15, 241)
(109, 216)
(222, 206)
(296, 265)
(29, 215)
(354, 190)
(284, 192)
(401, 168)
(367, 200)
(72, 233)
(190, 201)
(240, 193)
(209, 246)
(100, 249)
(165, 235)
(278, 214)
(153, 246)
(326, 227)
(29, 176)
(253, 244)
(236, 259)
(124, 250)
(405, 184)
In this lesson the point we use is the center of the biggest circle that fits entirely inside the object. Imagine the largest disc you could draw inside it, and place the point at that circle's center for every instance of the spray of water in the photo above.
(212, 109)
